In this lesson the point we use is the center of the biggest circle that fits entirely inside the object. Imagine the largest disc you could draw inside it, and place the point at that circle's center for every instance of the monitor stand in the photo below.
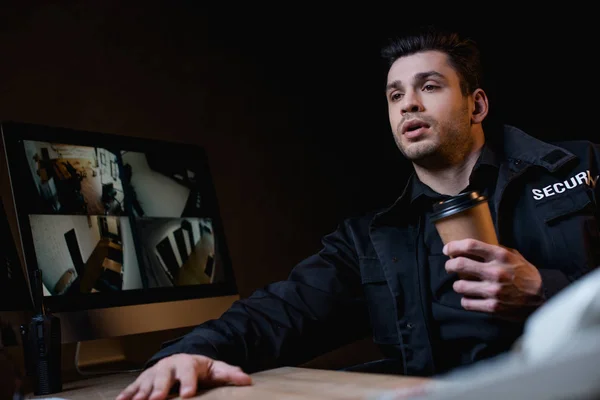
(102, 357)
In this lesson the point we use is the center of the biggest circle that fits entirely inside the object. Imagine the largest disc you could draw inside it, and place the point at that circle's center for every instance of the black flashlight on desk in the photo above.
(42, 344)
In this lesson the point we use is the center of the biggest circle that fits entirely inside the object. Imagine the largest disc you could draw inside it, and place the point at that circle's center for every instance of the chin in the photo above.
(420, 151)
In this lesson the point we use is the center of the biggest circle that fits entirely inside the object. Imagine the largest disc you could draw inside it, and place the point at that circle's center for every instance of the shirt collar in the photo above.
(420, 190)
(487, 158)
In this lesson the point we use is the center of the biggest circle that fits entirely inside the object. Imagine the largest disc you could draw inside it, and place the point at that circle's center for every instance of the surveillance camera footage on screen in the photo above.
(117, 216)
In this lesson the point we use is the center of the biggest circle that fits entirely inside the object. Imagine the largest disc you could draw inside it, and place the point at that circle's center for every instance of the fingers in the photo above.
(129, 391)
(475, 249)
(493, 279)
(187, 373)
(208, 372)
(162, 384)
(494, 306)
(483, 305)
(139, 389)
(156, 382)
(468, 267)
(222, 373)
(144, 389)
(484, 289)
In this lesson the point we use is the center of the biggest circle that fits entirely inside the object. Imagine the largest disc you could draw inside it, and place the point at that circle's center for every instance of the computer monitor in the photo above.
(14, 292)
(126, 231)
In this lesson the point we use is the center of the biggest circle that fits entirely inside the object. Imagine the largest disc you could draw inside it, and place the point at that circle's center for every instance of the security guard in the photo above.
(387, 273)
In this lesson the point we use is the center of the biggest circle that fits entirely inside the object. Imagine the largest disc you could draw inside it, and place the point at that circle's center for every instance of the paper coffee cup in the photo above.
(465, 216)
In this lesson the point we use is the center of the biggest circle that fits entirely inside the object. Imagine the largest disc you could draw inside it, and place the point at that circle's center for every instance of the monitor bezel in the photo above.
(13, 133)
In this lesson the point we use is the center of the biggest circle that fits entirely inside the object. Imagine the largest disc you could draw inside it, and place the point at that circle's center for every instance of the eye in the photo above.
(395, 96)
(430, 88)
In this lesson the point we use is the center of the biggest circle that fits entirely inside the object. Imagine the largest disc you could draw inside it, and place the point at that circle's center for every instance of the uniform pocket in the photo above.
(577, 202)
(571, 223)
(383, 311)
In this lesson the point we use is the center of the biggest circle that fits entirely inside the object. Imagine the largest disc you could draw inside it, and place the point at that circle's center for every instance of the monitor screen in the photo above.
(113, 220)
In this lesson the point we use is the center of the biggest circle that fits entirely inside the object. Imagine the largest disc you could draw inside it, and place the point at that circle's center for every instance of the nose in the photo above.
(411, 103)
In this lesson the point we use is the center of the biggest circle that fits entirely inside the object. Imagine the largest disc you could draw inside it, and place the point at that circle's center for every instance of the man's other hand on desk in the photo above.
(190, 371)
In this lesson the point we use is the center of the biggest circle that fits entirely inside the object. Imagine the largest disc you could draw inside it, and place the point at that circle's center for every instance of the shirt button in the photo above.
(409, 325)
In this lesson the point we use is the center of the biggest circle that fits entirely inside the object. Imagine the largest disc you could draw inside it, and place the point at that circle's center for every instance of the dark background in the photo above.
(287, 100)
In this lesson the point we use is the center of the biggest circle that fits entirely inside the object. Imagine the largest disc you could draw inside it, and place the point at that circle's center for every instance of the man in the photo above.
(387, 273)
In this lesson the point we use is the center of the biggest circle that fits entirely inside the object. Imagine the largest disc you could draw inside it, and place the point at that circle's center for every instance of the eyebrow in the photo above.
(420, 77)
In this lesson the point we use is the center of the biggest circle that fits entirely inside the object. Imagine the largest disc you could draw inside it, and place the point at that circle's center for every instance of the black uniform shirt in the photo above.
(460, 337)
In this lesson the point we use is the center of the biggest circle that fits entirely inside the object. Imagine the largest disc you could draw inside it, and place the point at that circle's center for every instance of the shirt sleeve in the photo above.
(319, 307)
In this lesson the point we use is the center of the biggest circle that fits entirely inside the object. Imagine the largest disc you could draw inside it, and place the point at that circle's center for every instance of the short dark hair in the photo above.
(463, 53)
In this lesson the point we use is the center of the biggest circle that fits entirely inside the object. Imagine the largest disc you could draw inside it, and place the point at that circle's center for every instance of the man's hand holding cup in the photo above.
(492, 278)
(501, 280)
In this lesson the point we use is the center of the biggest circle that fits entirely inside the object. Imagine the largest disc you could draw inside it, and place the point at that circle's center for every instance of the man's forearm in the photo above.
(275, 325)
(319, 307)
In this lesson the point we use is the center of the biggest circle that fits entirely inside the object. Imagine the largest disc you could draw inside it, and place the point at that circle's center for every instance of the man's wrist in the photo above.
(553, 281)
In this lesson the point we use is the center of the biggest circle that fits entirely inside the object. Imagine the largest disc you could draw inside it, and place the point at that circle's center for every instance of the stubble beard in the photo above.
(450, 144)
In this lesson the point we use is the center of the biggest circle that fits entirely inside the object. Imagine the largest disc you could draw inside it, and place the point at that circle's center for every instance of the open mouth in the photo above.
(412, 126)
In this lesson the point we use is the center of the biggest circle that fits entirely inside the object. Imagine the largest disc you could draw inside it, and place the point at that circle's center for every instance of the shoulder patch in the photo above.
(554, 156)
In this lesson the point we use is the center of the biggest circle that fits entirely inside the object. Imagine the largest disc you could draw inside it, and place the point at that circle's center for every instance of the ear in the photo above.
(480, 106)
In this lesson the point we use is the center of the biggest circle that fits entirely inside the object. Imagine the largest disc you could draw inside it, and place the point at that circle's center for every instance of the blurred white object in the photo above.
(558, 356)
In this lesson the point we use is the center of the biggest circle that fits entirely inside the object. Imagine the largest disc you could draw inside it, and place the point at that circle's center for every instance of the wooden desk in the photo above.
(280, 383)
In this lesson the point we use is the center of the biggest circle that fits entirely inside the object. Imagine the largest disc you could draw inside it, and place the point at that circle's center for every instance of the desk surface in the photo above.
(280, 383)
